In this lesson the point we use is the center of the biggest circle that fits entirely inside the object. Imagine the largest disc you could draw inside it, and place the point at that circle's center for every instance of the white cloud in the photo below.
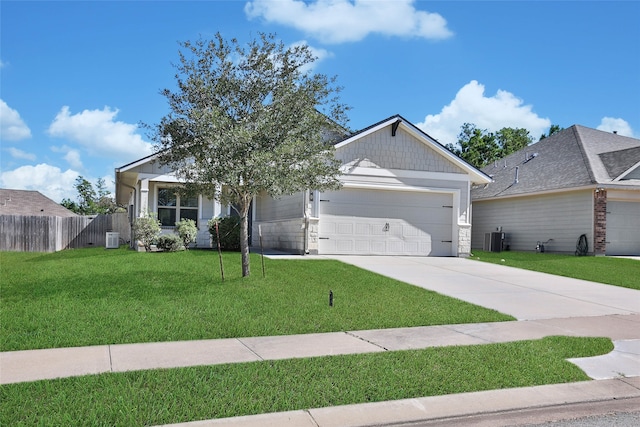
(71, 155)
(12, 127)
(338, 21)
(49, 180)
(490, 113)
(319, 53)
(19, 154)
(100, 134)
(610, 124)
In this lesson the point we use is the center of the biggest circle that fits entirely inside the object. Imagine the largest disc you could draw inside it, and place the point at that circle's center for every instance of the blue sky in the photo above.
(76, 78)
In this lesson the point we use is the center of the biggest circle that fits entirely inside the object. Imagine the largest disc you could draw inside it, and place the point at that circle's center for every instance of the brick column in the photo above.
(599, 222)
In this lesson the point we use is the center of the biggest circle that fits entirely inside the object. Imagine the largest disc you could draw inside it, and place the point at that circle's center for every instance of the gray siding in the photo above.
(381, 150)
(285, 207)
(527, 220)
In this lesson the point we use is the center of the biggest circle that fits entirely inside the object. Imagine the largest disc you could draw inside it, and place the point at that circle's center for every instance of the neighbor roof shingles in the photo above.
(26, 202)
(567, 159)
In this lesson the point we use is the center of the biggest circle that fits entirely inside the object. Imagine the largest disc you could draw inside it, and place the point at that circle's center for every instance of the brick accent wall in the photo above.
(599, 222)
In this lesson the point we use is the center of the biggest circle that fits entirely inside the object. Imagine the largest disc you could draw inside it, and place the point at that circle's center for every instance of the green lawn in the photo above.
(180, 395)
(97, 296)
(613, 271)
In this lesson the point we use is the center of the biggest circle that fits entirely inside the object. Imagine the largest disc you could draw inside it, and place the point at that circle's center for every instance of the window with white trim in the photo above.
(172, 207)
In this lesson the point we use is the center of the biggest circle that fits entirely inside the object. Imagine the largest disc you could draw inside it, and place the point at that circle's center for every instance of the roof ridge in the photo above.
(583, 152)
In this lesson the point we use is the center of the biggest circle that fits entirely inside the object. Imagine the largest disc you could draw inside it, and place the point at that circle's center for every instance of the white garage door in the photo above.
(623, 228)
(375, 222)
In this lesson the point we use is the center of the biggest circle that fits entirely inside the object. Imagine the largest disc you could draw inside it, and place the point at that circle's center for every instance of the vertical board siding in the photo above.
(50, 233)
(285, 207)
(527, 220)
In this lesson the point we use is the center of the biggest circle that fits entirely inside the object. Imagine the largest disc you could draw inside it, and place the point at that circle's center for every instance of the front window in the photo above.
(173, 207)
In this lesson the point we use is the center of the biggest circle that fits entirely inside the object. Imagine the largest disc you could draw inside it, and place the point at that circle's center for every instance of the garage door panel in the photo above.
(385, 222)
(623, 228)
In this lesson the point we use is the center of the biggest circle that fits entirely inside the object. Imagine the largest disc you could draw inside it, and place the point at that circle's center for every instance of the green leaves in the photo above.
(480, 147)
(248, 119)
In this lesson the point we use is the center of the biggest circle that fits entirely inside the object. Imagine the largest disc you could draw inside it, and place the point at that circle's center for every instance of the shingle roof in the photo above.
(574, 157)
(27, 202)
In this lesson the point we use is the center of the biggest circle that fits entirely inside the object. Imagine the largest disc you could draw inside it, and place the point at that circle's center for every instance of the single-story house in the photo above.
(577, 181)
(403, 194)
(30, 203)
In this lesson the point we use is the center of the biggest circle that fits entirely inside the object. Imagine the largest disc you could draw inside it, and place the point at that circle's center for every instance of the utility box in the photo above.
(493, 241)
(113, 240)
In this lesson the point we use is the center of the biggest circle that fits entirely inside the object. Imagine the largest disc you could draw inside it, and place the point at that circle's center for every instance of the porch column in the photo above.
(144, 197)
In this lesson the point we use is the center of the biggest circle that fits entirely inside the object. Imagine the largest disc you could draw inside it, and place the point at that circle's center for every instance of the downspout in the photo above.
(305, 215)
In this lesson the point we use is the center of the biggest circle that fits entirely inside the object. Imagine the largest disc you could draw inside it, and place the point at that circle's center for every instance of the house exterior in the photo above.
(403, 194)
(577, 181)
(30, 203)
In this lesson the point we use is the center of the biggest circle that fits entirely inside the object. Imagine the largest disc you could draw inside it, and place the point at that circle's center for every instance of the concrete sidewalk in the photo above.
(32, 365)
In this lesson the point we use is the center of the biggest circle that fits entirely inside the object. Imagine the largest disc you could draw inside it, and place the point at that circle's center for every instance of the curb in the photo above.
(436, 408)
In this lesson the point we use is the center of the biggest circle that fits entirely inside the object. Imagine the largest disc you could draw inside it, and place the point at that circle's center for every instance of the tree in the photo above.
(476, 146)
(481, 147)
(553, 129)
(249, 119)
(511, 140)
(90, 201)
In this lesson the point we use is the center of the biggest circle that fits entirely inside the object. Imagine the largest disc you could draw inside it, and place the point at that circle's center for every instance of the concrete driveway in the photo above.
(525, 295)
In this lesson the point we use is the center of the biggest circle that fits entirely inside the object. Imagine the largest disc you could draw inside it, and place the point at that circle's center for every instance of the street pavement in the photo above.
(543, 304)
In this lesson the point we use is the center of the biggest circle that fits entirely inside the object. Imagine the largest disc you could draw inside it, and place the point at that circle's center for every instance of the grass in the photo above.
(180, 395)
(612, 271)
(97, 296)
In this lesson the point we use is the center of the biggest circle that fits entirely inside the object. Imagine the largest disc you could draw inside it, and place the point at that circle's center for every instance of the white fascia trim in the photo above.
(402, 173)
(142, 161)
(411, 188)
(627, 172)
(368, 132)
(543, 192)
(159, 178)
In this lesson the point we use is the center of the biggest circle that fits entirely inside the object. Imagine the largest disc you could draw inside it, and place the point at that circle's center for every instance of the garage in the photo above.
(357, 221)
(623, 228)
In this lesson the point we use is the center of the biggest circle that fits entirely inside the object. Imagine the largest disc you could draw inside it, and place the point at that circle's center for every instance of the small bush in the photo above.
(146, 229)
(170, 243)
(187, 231)
(229, 229)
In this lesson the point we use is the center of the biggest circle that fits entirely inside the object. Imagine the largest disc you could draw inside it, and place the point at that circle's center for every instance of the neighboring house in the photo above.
(577, 181)
(30, 203)
(403, 194)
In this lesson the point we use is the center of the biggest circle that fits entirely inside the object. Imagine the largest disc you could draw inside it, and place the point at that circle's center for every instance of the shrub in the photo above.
(229, 229)
(146, 229)
(187, 231)
(170, 243)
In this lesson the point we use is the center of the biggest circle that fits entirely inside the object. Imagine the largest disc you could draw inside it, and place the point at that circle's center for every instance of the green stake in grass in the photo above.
(219, 251)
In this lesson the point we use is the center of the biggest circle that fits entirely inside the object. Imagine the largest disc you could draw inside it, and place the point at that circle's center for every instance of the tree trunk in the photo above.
(244, 236)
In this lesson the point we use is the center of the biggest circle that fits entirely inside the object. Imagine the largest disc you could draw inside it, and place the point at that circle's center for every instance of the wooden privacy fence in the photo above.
(53, 233)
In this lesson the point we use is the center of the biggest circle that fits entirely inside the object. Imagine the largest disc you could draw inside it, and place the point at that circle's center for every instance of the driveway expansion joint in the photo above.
(351, 334)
